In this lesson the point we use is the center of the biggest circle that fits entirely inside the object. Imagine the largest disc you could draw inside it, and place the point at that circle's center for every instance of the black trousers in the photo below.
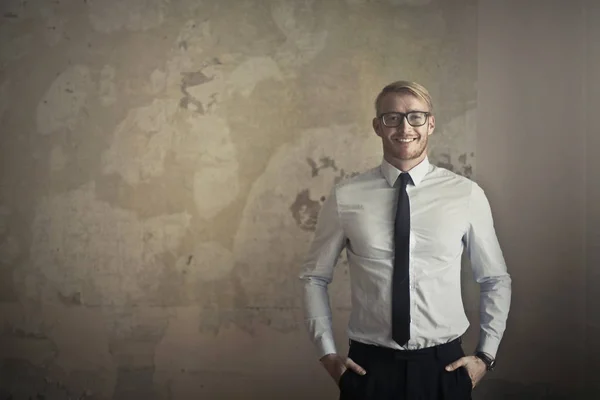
(406, 374)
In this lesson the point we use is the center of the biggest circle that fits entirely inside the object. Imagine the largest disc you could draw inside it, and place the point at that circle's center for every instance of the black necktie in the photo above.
(400, 280)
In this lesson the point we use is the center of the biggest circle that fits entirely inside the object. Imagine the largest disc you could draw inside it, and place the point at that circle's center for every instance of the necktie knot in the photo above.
(403, 180)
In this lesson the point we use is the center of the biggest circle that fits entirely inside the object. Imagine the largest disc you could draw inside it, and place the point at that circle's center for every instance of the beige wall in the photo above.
(592, 93)
(531, 141)
(161, 165)
(536, 146)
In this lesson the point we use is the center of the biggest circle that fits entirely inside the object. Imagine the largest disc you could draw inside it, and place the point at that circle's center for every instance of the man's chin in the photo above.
(407, 156)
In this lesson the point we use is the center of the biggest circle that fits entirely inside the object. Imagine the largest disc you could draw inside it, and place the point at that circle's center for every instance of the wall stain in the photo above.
(190, 79)
(325, 162)
(343, 175)
(305, 210)
(461, 167)
(135, 383)
(70, 300)
(20, 379)
(21, 333)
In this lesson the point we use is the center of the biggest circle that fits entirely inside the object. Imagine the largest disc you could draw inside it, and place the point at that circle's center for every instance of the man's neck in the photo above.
(405, 165)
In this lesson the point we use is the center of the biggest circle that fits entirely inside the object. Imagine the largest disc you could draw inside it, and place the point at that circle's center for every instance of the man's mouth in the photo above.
(404, 140)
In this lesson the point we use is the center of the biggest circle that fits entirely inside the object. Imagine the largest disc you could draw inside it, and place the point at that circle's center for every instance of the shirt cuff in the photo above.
(325, 345)
(488, 344)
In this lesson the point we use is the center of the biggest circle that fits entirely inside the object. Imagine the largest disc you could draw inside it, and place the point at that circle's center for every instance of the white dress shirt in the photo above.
(448, 214)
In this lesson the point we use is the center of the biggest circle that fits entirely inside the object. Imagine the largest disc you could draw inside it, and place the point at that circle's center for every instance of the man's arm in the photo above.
(317, 273)
(489, 270)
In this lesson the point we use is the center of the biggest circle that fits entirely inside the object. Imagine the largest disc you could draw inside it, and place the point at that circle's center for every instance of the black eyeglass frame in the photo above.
(404, 116)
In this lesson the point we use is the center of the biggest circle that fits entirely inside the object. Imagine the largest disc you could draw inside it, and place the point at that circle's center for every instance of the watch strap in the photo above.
(489, 362)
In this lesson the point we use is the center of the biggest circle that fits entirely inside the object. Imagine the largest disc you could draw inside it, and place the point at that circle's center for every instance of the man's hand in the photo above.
(475, 367)
(337, 365)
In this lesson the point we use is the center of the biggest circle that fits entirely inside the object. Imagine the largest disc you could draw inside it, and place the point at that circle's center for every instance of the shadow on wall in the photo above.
(492, 389)
(44, 389)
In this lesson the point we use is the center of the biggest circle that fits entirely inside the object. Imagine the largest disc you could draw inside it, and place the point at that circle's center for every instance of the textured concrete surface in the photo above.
(162, 164)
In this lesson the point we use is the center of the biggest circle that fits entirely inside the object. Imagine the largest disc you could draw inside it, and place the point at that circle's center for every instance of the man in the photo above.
(404, 226)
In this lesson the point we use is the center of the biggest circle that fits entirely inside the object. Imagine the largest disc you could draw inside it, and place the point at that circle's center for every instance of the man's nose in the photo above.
(404, 126)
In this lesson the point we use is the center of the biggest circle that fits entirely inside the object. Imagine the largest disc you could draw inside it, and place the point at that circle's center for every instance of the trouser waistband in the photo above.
(442, 351)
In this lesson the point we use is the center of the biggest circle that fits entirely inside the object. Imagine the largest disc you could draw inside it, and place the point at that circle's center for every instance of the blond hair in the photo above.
(412, 88)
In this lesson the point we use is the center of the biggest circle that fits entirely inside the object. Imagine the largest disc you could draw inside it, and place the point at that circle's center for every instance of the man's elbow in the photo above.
(495, 283)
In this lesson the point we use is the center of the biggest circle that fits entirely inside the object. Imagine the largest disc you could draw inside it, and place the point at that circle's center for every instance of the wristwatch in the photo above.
(489, 362)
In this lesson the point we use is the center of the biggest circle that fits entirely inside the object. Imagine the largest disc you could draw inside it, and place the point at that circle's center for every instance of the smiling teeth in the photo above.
(405, 140)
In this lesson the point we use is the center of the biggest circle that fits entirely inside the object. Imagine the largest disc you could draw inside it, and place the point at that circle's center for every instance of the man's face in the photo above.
(404, 142)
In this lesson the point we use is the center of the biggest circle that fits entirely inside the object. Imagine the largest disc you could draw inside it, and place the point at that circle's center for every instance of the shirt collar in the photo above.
(417, 173)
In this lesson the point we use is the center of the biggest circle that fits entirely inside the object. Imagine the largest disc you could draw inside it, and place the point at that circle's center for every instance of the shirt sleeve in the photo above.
(489, 270)
(317, 274)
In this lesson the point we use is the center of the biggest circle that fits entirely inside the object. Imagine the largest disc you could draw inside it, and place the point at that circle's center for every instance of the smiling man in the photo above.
(405, 225)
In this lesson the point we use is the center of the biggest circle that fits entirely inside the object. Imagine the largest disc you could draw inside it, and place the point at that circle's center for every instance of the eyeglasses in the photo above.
(414, 118)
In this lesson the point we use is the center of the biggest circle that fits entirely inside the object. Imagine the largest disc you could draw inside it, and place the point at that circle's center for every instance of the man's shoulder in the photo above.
(449, 175)
(360, 178)
(441, 177)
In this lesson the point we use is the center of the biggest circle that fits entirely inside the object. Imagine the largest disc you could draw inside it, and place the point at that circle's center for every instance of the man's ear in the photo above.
(431, 123)
(377, 126)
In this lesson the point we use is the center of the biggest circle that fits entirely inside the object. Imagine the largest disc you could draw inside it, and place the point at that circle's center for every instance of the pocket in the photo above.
(343, 378)
(466, 379)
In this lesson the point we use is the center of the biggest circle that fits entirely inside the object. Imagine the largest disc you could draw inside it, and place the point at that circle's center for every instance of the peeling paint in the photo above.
(305, 211)
(453, 145)
(191, 79)
(324, 162)
(462, 166)
(205, 96)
